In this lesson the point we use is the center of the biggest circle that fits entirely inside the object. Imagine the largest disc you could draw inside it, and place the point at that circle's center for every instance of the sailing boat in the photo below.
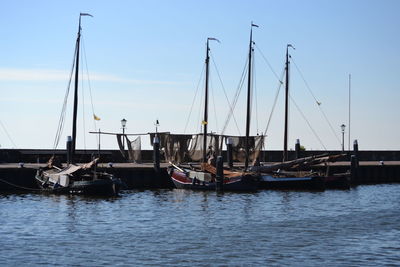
(273, 177)
(76, 179)
(205, 178)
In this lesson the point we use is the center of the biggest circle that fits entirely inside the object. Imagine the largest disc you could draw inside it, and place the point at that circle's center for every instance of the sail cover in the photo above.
(180, 148)
(173, 146)
(256, 144)
(134, 148)
(214, 146)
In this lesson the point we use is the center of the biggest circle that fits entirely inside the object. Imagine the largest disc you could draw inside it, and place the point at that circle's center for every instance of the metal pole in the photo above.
(349, 109)
(123, 138)
(342, 140)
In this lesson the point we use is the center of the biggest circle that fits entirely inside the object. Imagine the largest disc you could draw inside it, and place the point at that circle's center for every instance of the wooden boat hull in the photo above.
(108, 186)
(339, 181)
(268, 181)
(244, 183)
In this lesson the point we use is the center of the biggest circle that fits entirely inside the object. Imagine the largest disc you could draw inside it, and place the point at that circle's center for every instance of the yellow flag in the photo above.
(95, 117)
(204, 122)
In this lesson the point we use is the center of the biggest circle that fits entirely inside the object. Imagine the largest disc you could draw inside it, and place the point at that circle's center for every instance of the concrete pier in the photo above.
(14, 176)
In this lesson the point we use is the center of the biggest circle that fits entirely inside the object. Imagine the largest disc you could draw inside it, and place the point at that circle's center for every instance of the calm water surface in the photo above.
(357, 227)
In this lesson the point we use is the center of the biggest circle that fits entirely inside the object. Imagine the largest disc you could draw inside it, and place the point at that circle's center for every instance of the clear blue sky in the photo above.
(145, 59)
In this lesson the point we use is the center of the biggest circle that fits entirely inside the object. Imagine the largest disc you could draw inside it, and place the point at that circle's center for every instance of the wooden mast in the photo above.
(285, 155)
(248, 113)
(75, 114)
(285, 141)
(205, 119)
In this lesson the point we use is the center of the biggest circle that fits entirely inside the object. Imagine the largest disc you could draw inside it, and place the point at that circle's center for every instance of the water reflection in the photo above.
(179, 227)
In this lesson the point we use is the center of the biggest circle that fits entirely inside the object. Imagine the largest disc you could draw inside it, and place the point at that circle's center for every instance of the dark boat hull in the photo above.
(272, 182)
(95, 187)
(244, 183)
(339, 181)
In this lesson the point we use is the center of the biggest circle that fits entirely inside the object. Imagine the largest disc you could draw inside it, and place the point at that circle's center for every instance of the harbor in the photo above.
(19, 175)
(199, 133)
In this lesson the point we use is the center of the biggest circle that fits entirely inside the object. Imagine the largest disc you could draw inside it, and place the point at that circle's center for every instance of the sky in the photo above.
(144, 60)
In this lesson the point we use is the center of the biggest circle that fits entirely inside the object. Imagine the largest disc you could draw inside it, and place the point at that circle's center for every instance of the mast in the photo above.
(75, 114)
(284, 158)
(205, 119)
(248, 113)
(349, 108)
(285, 138)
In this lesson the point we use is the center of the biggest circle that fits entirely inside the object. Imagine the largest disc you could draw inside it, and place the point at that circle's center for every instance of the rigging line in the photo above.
(194, 98)
(269, 65)
(275, 102)
(200, 125)
(254, 86)
(213, 100)
(61, 121)
(223, 88)
(236, 97)
(89, 84)
(317, 102)
(20, 187)
(8, 135)
(83, 110)
(309, 125)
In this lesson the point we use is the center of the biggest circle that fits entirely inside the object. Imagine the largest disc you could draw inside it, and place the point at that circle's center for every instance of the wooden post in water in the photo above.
(354, 163)
(229, 151)
(355, 148)
(69, 150)
(297, 149)
(156, 154)
(220, 174)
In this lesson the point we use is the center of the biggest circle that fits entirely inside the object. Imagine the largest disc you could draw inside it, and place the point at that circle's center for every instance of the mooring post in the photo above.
(297, 148)
(354, 163)
(69, 149)
(354, 169)
(156, 154)
(355, 148)
(220, 174)
(229, 150)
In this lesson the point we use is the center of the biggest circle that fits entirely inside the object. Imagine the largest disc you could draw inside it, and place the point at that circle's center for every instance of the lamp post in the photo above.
(123, 124)
(343, 127)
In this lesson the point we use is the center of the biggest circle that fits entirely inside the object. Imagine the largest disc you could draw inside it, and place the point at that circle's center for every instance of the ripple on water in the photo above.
(180, 228)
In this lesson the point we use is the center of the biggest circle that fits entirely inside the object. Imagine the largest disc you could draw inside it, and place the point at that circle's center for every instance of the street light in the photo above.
(343, 127)
(123, 124)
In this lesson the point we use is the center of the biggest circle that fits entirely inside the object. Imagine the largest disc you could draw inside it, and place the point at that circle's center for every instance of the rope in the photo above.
(213, 101)
(64, 108)
(8, 135)
(194, 98)
(83, 110)
(236, 97)
(254, 82)
(89, 84)
(226, 96)
(275, 101)
(309, 125)
(269, 65)
(20, 187)
(317, 102)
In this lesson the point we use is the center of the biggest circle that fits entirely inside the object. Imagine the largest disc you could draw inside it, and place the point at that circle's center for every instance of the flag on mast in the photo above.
(95, 117)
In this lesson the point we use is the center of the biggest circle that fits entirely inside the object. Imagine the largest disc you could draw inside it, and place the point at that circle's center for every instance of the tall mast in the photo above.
(285, 156)
(248, 113)
(76, 88)
(205, 119)
(349, 109)
(285, 138)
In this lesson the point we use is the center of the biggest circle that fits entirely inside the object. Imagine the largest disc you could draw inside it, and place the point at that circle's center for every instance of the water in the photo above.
(357, 227)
